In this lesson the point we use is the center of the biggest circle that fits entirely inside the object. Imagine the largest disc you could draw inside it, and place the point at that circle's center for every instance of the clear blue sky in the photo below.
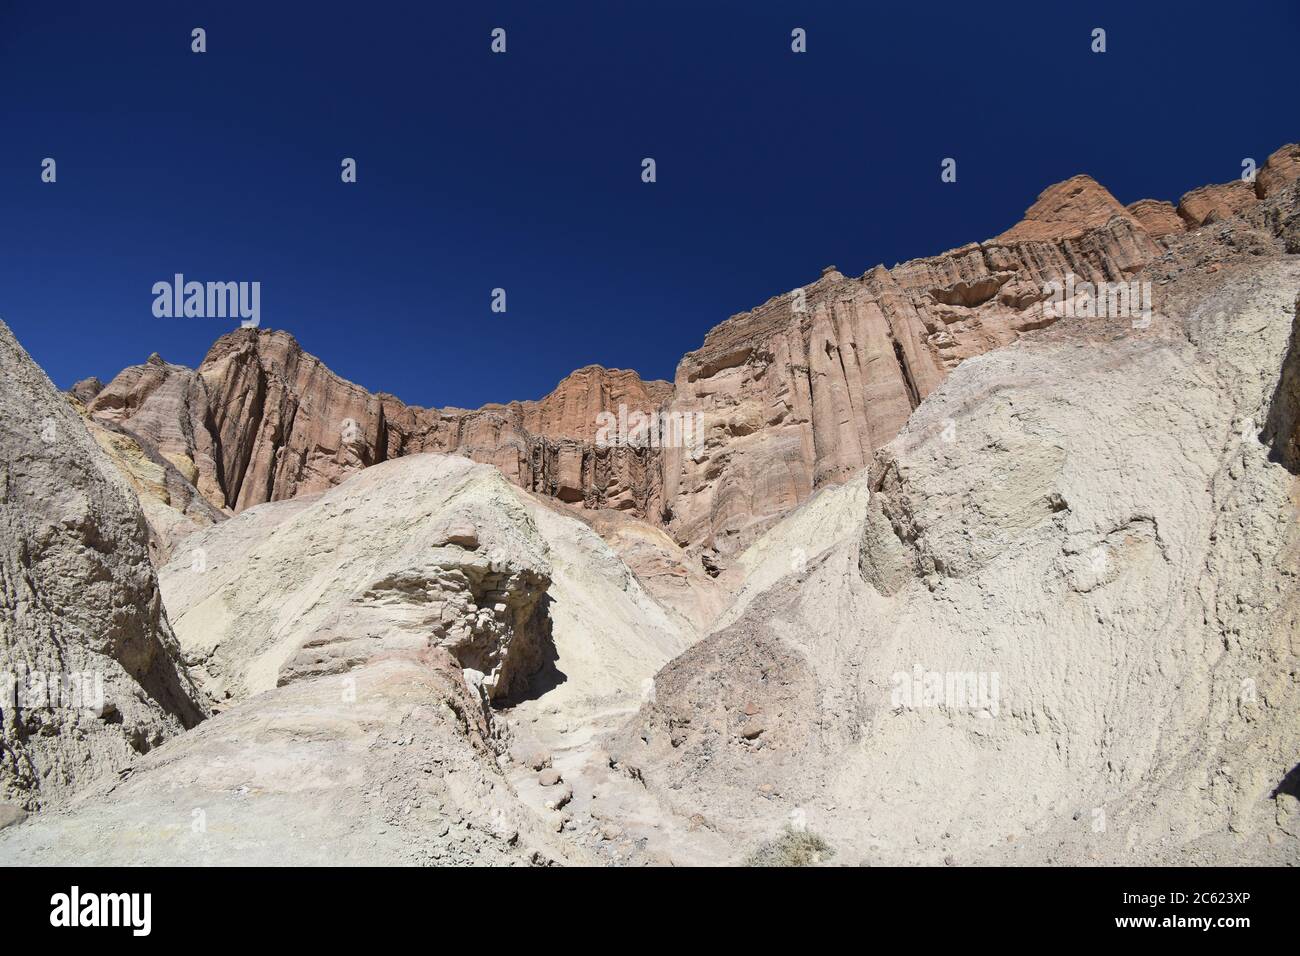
(522, 170)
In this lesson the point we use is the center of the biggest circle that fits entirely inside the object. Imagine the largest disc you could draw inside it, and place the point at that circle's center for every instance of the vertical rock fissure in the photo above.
(247, 441)
(280, 445)
(913, 395)
(218, 452)
(381, 437)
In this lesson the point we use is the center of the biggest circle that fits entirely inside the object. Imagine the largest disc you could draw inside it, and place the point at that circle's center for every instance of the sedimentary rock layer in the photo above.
(1054, 622)
(792, 396)
(261, 420)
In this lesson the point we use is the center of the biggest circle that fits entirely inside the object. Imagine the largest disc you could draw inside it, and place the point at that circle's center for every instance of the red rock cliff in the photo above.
(795, 394)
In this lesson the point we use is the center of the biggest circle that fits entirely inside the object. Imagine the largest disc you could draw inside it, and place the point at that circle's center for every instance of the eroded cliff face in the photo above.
(1066, 591)
(794, 395)
(261, 420)
(800, 392)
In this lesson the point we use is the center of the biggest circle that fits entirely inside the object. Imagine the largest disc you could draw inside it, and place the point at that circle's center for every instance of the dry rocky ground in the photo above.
(952, 579)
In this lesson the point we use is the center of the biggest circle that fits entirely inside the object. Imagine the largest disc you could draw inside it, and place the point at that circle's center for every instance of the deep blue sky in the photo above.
(523, 170)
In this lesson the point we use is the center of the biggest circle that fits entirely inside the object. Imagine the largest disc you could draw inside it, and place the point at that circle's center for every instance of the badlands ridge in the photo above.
(956, 576)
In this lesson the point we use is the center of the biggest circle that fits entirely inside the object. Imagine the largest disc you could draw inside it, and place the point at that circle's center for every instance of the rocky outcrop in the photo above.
(172, 506)
(800, 392)
(86, 390)
(427, 551)
(393, 768)
(998, 597)
(1054, 622)
(1212, 203)
(89, 674)
(376, 652)
(165, 407)
(424, 551)
(1066, 210)
(790, 397)
(1157, 217)
(1281, 169)
(1282, 428)
(261, 420)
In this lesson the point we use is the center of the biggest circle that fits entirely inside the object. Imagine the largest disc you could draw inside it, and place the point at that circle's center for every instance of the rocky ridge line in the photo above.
(794, 395)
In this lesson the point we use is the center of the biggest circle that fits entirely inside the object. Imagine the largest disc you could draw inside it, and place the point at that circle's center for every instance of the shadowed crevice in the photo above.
(1281, 431)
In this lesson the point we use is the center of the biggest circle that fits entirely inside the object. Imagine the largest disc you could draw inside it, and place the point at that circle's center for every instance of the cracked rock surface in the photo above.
(89, 677)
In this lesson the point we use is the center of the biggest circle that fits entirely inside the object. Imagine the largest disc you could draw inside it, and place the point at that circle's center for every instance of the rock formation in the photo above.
(86, 390)
(260, 420)
(961, 571)
(395, 769)
(1281, 169)
(793, 396)
(428, 551)
(1157, 218)
(424, 551)
(375, 653)
(1053, 622)
(818, 379)
(173, 508)
(88, 665)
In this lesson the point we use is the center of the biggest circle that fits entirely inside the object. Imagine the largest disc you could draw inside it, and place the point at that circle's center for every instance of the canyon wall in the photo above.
(794, 395)
(1087, 550)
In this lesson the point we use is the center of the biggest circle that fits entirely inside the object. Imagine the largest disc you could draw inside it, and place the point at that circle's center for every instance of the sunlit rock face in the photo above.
(779, 401)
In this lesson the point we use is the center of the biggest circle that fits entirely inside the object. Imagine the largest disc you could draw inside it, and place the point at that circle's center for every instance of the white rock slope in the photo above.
(88, 665)
(362, 646)
(424, 550)
(1085, 532)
